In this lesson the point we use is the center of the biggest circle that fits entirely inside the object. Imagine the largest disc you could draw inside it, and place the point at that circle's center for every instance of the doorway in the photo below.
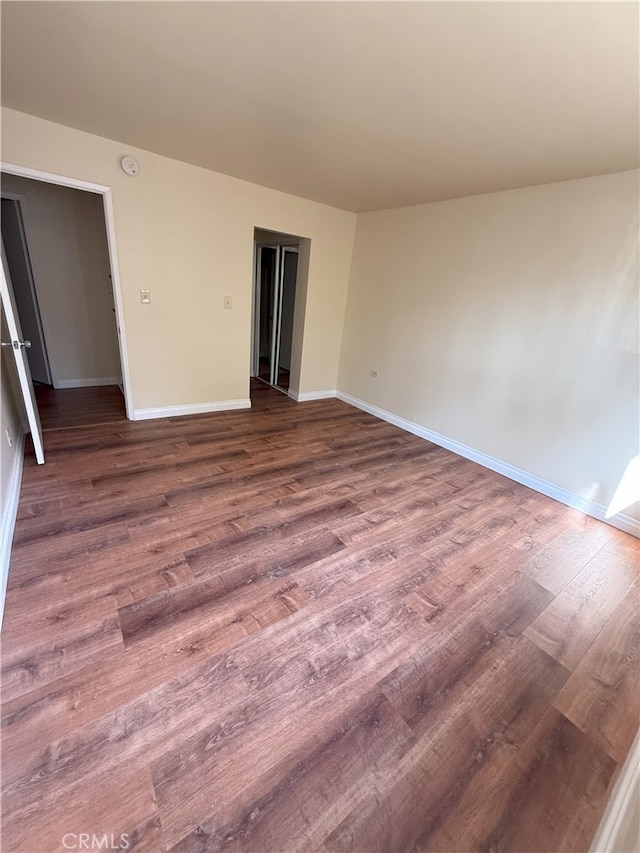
(59, 269)
(276, 304)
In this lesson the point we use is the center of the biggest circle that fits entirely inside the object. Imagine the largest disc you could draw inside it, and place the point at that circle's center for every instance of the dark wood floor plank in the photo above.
(119, 568)
(572, 621)
(121, 805)
(497, 701)
(560, 561)
(447, 656)
(36, 719)
(602, 697)
(43, 647)
(66, 552)
(133, 734)
(320, 666)
(298, 628)
(76, 407)
(551, 795)
(83, 519)
(300, 804)
(255, 601)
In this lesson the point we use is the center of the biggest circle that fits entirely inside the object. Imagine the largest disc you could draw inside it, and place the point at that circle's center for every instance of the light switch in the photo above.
(227, 302)
(145, 296)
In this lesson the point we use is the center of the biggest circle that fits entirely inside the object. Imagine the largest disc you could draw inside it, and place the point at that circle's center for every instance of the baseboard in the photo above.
(619, 830)
(592, 508)
(306, 396)
(87, 383)
(190, 409)
(9, 513)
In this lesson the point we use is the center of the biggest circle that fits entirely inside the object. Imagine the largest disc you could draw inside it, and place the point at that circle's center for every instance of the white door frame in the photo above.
(105, 192)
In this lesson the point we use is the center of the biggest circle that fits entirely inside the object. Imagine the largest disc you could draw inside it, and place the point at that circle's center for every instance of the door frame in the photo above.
(107, 201)
(18, 200)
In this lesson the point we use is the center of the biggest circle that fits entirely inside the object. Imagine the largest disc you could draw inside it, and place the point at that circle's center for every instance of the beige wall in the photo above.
(70, 261)
(508, 322)
(186, 234)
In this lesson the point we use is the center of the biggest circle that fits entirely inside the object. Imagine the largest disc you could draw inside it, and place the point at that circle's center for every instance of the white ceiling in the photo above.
(362, 105)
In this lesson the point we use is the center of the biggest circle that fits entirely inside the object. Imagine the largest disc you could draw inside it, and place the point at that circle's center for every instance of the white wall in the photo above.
(186, 234)
(70, 261)
(507, 322)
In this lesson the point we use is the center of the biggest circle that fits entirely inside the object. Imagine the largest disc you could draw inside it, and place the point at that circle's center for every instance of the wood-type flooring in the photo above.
(298, 628)
(71, 407)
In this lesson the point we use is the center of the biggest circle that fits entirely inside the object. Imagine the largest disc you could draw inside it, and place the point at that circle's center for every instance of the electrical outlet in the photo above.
(374, 374)
(8, 434)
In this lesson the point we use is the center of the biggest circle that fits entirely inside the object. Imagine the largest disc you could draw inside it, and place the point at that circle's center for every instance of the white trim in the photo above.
(619, 825)
(10, 512)
(109, 219)
(558, 493)
(190, 409)
(88, 383)
(52, 178)
(306, 396)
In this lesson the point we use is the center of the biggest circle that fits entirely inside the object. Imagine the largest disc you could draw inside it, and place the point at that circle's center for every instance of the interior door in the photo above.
(276, 313)
(266, 291)
(18, 345)
(23, 287)
(287, 307)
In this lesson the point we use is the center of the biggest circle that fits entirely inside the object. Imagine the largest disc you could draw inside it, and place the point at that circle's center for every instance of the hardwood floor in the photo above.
(72, 407)
(298, 628)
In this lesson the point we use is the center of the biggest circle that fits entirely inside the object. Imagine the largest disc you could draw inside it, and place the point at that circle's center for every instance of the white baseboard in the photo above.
(9, 513)
(88, 383)
(619, 830)
(306, 396)
(576, 501)
(190, 409)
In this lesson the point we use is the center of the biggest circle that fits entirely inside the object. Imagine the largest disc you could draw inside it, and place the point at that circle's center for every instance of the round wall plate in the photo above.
(129, 166)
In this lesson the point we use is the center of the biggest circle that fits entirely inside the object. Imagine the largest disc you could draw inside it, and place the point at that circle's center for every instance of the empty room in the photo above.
(319, 427)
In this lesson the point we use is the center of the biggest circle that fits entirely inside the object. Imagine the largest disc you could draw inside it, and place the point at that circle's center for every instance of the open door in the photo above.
(273, 313)
(16, 252)
(288, 277)
(18, 346)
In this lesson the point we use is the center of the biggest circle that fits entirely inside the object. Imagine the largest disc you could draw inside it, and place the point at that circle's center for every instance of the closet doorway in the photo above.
(276, 306)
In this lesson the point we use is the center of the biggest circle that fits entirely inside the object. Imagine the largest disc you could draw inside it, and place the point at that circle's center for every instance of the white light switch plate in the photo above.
(145, 296)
